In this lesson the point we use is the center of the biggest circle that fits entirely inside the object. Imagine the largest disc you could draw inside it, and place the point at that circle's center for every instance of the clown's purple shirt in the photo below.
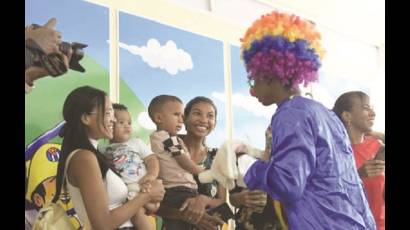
(312, 170)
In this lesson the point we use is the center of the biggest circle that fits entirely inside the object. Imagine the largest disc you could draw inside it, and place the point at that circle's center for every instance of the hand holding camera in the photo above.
(46, 37)
(45, 49)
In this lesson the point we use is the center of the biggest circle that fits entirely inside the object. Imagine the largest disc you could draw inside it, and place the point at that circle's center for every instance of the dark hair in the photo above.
(158, 101)
(196, 100)
(118, 106)
(345, 102)
(80, 101)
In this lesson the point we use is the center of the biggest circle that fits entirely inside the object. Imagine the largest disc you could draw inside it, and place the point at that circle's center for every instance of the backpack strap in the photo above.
(56, 196)
(67, 162)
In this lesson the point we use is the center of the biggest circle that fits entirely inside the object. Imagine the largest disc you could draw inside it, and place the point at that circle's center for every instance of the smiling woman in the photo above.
(357, 114)
(200, 120)
(97, 192)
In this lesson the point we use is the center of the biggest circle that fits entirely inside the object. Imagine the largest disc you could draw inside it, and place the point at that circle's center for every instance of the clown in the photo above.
(310, 168)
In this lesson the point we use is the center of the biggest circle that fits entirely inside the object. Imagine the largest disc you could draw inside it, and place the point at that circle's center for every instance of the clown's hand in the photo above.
(241, 147)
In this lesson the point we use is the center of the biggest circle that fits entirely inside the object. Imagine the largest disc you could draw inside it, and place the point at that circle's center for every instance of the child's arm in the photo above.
(186, 163)
(150, 160)
(152, 168)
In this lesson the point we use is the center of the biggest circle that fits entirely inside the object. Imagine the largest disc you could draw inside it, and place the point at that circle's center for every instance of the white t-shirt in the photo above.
(128, 158)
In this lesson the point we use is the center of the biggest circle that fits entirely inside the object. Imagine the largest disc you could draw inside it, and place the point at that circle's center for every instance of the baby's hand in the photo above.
(146, 178)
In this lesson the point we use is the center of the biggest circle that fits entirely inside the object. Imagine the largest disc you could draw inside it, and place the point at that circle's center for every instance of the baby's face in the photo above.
(122, 127)
(171, 117)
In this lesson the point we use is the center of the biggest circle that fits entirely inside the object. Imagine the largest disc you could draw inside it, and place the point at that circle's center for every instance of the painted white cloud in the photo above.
(248, 103)
(145, 121)
(167, 57)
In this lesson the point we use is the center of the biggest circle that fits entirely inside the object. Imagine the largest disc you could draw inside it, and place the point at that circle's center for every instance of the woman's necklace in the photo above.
(199, 156)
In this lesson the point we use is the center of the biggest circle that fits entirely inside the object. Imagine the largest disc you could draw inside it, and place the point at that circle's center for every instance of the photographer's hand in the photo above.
(66, 58)
(33, 73)
(46, 36)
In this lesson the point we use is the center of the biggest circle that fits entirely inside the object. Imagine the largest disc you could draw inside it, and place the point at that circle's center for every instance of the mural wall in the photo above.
(159, 60)
(43, 106)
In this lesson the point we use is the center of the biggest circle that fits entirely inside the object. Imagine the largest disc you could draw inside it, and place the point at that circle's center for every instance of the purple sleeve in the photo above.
(291, 163)
(254, 176)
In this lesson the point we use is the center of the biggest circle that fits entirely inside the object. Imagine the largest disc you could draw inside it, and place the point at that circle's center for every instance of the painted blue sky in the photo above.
(87, 23)
(203, 78)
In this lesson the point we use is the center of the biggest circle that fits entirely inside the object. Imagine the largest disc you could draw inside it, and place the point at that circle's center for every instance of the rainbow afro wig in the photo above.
(283, 46)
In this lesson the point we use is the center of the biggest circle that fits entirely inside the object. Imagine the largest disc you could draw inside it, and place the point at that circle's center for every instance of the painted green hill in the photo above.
(43, 106)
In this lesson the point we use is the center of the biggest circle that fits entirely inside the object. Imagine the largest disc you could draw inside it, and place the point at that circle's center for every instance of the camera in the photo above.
(54, 63)
(76, 56)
